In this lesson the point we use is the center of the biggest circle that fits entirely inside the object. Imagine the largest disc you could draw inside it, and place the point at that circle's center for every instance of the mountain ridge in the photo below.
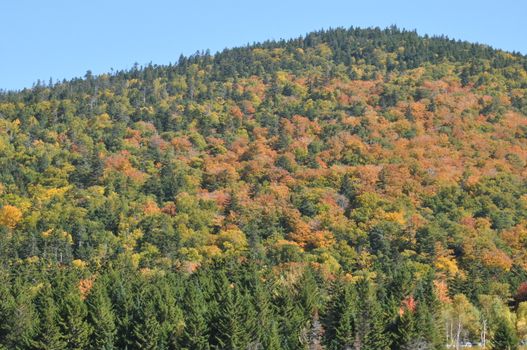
(305, 40)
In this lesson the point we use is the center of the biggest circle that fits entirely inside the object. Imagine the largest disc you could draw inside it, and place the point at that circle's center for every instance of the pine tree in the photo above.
(18, 314)
(344, 333)
(196, 333)
(9, 329)
(339, 318)
(376, 338)
(404, 330)
(7, 307)
(267, 328)
(309, 293)
(272, 340)
(146, 327)
(235, 320)
(123, 292)
(428, 315)
(370, 320)
(74, 322)
(292, 320)
(49, 335)
(102, 318)
(170, 314)
(427, 328)
(505, 337)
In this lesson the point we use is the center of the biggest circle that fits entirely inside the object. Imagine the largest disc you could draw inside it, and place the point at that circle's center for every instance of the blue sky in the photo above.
(64, 38)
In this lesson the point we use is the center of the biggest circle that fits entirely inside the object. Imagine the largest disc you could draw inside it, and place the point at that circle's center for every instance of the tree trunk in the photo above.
(484, 334)
(458, 335)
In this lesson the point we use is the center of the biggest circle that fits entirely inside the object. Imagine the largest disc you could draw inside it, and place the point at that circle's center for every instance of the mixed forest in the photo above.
(358, 189)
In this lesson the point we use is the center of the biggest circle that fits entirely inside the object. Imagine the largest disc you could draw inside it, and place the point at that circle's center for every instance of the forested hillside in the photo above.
(351, 189)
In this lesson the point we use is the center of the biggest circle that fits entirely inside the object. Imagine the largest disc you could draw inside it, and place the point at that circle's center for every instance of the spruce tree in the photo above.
(49, 335)
(369, 319)
(170, 314)
(344, 333)
(404, 329)
(267, 327)
(428, 316)
(101, 318)
(339, 318)
(18, 314)
(196, 332)
(272, 341)
(74, 322)
(123, 292)
(505, 337)
(7, 309)
(309, 293)
(235, 320)
(146, 327)
(293, 321)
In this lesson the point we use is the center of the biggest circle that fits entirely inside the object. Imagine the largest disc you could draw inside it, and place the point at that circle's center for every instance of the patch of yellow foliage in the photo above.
(78, 263)
(447, 265)
(397, 217)
(10, 216)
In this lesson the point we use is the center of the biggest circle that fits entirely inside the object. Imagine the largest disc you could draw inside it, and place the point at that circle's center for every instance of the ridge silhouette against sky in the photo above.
(63, 38)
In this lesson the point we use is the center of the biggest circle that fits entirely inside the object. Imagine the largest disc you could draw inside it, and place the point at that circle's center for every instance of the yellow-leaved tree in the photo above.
(10, 216)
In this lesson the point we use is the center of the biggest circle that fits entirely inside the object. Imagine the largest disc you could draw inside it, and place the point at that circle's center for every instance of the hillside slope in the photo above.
(305, 184)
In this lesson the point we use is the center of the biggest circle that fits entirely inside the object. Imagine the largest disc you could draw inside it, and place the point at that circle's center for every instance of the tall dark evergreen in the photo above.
(293, 322)
(74, 320)
(169, 312)
(146, 331)
(49, 334)
(196, 333)
(267, 322)
(405, 330)
(370, 320)
(235, 321)
(339, 318)
(504, 337)
(18, 314)
(101, 318)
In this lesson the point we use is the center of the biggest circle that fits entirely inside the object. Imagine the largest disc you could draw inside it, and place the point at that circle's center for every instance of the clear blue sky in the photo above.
(64, 38)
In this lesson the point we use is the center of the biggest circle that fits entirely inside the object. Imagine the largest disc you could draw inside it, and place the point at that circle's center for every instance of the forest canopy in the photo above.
(352, 188)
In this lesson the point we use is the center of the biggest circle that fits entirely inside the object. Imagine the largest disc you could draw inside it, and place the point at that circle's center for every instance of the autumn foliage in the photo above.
(390, 167)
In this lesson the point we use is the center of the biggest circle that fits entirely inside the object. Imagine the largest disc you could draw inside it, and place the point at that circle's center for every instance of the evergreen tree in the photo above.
(505, 337)
(309, 293)
(49, 335)
(340, 317)
(101, 317)
(146, 327)
(213, 201)
(344, 333)
(272, 340)
(17, 314)
(235, 321)
(428, 313)
(196, 332)
(369, 319)
(124, 294)
(170, 314)
(293, 322)
(74, 322)
(267, 324)
(405, 330)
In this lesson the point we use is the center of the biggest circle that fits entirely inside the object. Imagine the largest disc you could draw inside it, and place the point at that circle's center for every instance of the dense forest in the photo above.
(354, 188)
